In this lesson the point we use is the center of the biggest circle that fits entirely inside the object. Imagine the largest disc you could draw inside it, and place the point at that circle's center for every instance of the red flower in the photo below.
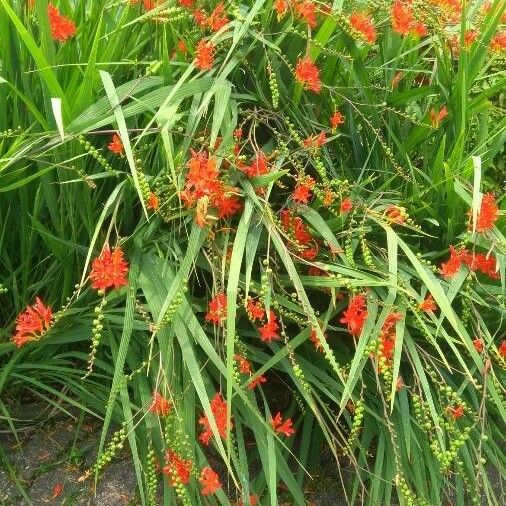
(258, 166)
(204, 57)
(256, 382)
(202, 175)
(355, 315)
(187, 4)
(303, 190)
(336, 120)
(219, 410)
(488, 213)
(449, 268)
(280, 6)
(32, 323)
(62, 28)
(437, 117)
(456, 412)
(428, 304)
(217, 310)
(306, 9)
(160, 405)
(502, 349)
(313, 337)
(282, 427)
(254, 309)
(109, 270)
(152, 202)
(209, 480)
(269, 331)
(479, 262)
(346, 205)
(307, 73)
(363, 24)
(478, 344)
(244, 364)
(116, 146)
(177, 469)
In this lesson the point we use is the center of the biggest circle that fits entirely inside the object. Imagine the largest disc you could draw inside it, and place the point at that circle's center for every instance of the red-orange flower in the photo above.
(177, 469)
(396, 214)
(256, 382)
(388, 335)
(336, 120)
(502, 349)
(258, 166)
(160, 405)
(404, 21)
(269, 331)
(428, 304)
(355, 315)
(116, 146)
(32, 323)
(477, 262)
(219, 410)
(217, 310)
(306, 9)
(315, 141)
(243, 363)
(209, 480)
(488, 213)
(313, 337)
(62, 28)
(498, 43)
(152, 202)
(253, 500)
(364, 25)
(308, 74)
(109, 270)
(456, 412)
(280, 6)
(346, 205)
(204, 57)
(254, 309)
(304, 190)
(478, 345)
(282, 427)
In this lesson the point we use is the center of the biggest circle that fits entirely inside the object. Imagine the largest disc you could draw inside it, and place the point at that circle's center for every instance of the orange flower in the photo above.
(437, 117)
(160, 405)
(478, 344)
(502, 349)
(32, 323)
(428, 304)
(488, 214)
(187, 4)
(258, 166)
(269, 331)
(346, 205)
(218, 18)
(396, 214)
(282, 427)
(336, 120)
(307, 73)
(109, 270)
(217, 309)
(315, 141)
(280, 6)
(498, 43)
(177, 469)
(403, 19)
(219, 410)
(152, 201)
(363, 24)
(209, 480)
(116, 146)
(62, 28)
(253, 500)
(204, 58)
(388, 335)
(181, 46)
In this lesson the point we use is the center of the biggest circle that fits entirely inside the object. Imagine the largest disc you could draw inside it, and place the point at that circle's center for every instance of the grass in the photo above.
(64, 195)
